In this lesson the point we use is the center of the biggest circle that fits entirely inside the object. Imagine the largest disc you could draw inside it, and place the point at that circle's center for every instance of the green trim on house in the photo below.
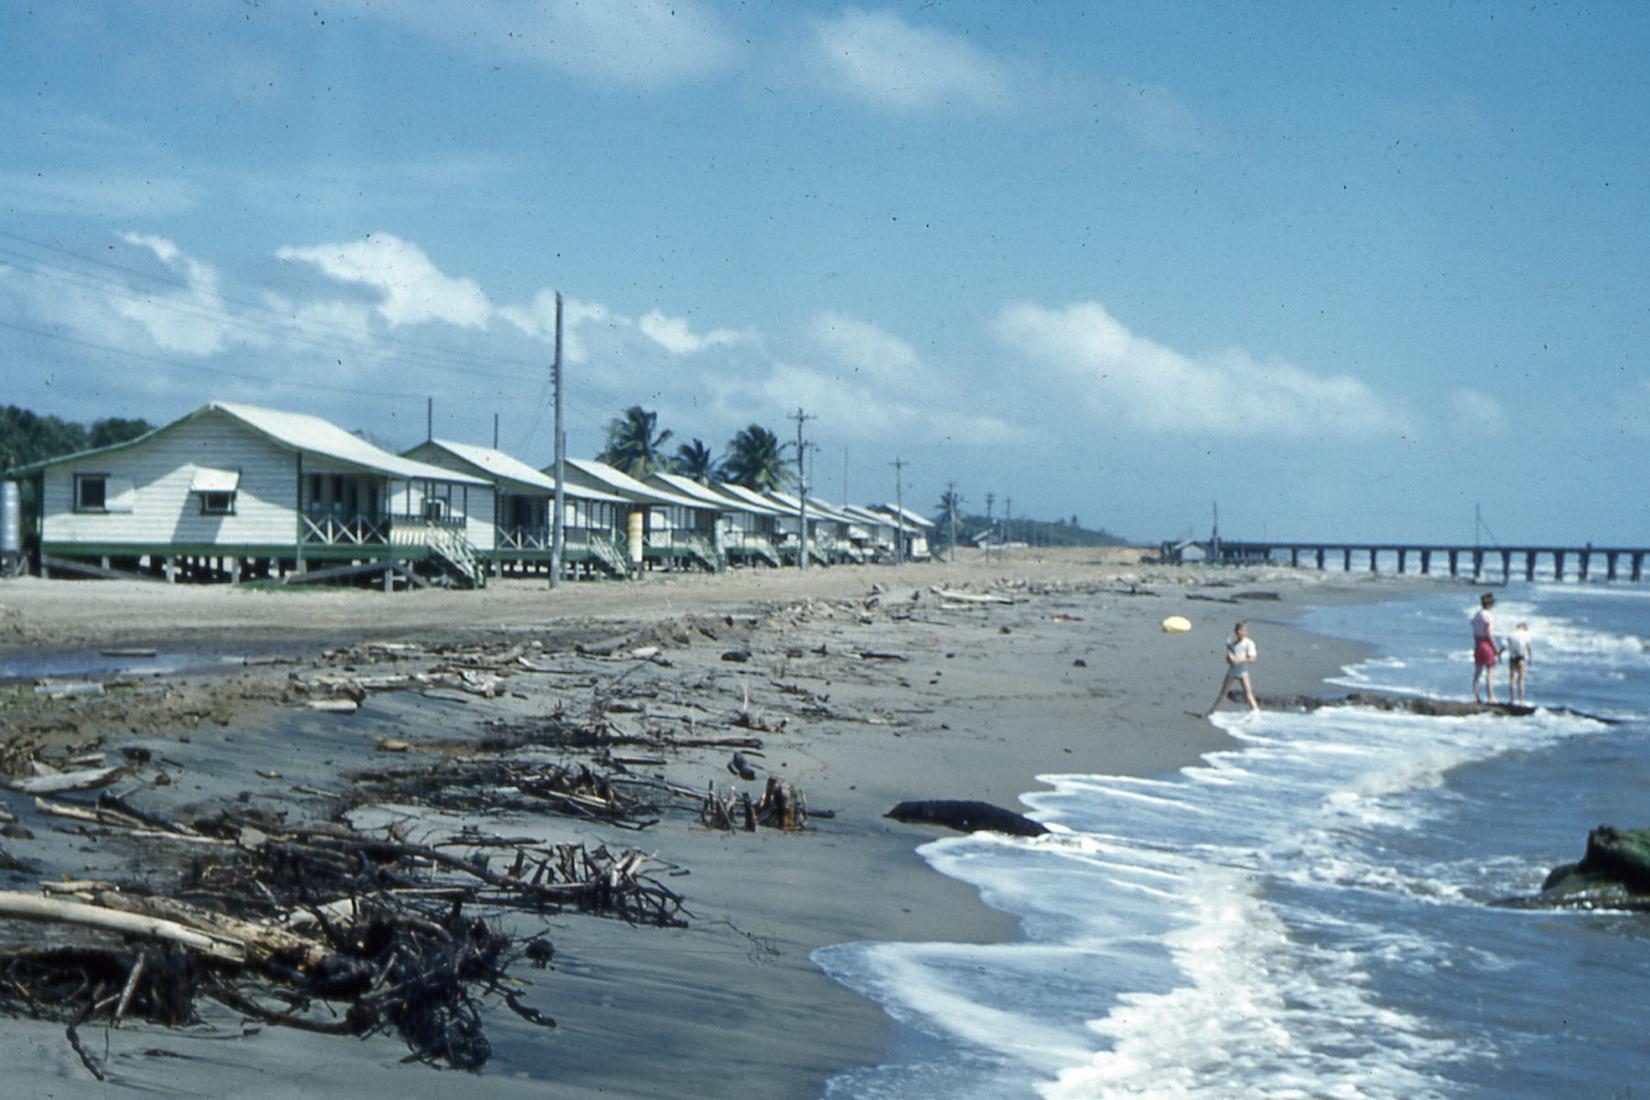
(309, 551)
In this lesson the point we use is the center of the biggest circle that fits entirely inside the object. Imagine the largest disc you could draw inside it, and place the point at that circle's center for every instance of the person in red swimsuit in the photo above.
(1485, 649)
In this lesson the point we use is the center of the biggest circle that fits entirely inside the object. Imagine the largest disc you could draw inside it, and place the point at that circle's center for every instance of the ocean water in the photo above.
(1309, 913)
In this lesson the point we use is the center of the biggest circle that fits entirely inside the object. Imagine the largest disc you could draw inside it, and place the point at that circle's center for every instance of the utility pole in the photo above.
(845, 476)
(1008, 523)
(801, 418)
(559, 520)
(495, 431)
(429, 419)
(990, 524)
(899, 503)
(955, 504)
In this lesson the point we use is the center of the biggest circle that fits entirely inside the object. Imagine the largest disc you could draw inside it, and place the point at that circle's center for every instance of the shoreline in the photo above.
(1074, 676)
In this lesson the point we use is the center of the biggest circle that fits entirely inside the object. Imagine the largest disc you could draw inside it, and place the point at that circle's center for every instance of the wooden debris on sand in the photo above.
(780, 807)
(315, 927)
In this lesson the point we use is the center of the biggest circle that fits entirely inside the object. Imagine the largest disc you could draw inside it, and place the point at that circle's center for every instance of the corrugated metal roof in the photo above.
(312, 435)
(296, 431)
(759, 500)
(914, 518)
(816, 510)
(510, 468)
(707, 493)
(628, 487)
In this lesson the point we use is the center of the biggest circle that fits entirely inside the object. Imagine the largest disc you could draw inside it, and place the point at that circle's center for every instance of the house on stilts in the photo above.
(662, 529)
(526, 498)
(743, 533)
(236, 492)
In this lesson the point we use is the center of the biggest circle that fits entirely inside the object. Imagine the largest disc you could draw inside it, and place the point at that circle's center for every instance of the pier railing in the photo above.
(1620, 562)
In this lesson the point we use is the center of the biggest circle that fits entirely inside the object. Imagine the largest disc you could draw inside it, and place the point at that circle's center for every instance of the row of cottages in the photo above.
(237, 492)
(233, 492)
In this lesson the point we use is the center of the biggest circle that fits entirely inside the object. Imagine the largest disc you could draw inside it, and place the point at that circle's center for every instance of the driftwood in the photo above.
(285, 919)
(967, 817)
(780, 807)
(58, 782)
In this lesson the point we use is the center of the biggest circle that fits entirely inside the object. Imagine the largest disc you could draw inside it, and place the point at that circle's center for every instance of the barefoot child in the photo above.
(1520, 652)
(1240, 654)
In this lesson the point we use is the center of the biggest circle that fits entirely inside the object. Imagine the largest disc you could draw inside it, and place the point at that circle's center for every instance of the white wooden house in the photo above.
(914, 525)
(526, 503)
(231, 491)
(743, 533)
(661, 527)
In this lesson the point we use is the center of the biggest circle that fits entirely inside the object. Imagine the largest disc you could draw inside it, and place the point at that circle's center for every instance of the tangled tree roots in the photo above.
(319, 928)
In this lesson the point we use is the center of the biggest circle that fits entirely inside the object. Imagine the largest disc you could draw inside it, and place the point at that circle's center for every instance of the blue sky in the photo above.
(1349, 271)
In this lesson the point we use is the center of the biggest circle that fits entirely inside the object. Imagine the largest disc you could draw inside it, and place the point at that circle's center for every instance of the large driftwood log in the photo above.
(34, 907)
(967, 816)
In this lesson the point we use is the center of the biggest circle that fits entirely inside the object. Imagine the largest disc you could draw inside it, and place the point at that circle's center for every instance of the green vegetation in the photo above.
(756, 460)
(695, 460)
(632, 445)
(27, 437)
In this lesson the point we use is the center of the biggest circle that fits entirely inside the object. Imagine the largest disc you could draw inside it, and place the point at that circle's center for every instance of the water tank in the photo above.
(11, 527)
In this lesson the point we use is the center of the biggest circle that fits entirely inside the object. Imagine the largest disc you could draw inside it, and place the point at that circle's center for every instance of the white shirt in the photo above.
(1483, 624)
(1240, 653)
(1518, 644)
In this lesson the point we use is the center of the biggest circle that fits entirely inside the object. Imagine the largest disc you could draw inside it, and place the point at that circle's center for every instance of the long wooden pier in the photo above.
(1620, 562)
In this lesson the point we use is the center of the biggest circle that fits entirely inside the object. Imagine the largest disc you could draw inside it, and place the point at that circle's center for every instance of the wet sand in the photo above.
(957, 700)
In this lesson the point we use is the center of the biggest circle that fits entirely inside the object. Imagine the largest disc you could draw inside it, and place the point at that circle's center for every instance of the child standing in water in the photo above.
(1520, 652)
(1240, 654)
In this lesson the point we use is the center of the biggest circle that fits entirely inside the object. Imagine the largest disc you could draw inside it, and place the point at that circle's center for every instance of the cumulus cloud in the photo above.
(880, 59)
(538, 320)
(629, 43)
(191, 320)
(413, 289)
(1116, 375)
(676, 336)
(867, 383)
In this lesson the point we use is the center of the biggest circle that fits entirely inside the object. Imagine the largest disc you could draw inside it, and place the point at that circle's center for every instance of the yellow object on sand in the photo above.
(1176, 624)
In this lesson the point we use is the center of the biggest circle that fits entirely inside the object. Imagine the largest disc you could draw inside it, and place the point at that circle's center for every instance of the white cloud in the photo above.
(634, 43)
(1097, 363)
(1477, 413)
(414, 290)
(676, 336)
(192, 320)
(886, 62)
(538, 319)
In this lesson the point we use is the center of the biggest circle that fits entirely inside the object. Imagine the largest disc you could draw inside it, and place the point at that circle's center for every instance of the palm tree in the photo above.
(950, 516)
(631, 444)
(756, 460)
(695, 460)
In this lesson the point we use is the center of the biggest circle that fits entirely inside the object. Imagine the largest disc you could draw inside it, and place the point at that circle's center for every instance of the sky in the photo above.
(1343, 271)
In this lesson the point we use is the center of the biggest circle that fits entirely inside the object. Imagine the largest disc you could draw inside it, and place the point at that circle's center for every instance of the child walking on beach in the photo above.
(1240, 654)
(1520, 652)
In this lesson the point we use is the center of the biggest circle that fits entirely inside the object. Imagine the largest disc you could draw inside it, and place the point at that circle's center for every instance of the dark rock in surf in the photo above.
(967, 817)
(1415, 704)
(1614, 873)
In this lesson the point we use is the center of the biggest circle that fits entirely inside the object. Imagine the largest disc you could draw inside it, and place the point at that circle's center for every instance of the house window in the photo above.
(217, 504)
(91, 492)
(435, 508)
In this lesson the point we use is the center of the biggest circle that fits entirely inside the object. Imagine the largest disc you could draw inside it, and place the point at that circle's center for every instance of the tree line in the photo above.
(754, 457)
(27, 437)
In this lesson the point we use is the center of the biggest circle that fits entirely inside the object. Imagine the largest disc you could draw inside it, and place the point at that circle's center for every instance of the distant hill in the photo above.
(27, 437)
(1035, 532)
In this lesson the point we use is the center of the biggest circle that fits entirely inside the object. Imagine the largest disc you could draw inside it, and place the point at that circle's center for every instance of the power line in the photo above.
(414, 347)
(201, 368)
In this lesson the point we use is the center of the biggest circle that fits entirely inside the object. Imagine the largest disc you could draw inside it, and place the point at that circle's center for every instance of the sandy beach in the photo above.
(864, 686)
